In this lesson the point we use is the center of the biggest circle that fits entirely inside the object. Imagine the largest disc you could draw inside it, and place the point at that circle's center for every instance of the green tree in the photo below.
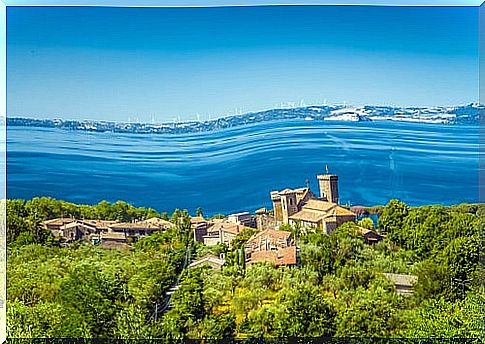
(94, 295)
(219, 326)
(433, 280)
(131, 324)
(317, 253)
(445, 319)
(366, 222)
(308, 313)
(392, 219)
(461, 258)
(369, 312)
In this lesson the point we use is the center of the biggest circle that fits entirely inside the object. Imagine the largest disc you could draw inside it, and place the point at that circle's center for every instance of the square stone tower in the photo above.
(289, 204)
(328, 184)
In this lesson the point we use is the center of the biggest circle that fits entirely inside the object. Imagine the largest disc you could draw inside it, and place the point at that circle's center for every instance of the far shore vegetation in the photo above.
(338, 289)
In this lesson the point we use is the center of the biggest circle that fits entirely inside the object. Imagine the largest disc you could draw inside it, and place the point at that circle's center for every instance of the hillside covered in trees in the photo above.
(338, 289)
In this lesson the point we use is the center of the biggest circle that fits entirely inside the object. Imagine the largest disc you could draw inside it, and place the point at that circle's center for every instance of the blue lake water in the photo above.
(235, 169)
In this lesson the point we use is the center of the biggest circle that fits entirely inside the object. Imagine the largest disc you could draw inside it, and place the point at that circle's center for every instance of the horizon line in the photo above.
(177, 121)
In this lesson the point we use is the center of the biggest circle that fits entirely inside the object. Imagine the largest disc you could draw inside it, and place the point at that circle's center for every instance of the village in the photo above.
(298, 207)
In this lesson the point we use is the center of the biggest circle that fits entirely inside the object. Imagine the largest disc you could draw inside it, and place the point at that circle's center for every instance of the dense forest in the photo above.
(338, 289)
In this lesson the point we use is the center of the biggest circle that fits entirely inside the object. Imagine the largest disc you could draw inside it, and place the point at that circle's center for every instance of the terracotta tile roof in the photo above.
(286, 256)
(315, 210)
(282, 256)
(233, 230)
(308, 216)
(272, 235)
(340, 211)
(316, 204)
(78, 223)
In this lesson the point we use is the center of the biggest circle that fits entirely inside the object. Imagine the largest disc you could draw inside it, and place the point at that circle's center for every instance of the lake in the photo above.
(235, 169)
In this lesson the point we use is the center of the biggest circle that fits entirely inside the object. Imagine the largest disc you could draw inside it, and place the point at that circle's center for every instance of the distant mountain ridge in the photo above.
(464, 114)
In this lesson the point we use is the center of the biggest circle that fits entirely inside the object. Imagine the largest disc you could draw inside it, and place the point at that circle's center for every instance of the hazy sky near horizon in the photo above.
(164, 63)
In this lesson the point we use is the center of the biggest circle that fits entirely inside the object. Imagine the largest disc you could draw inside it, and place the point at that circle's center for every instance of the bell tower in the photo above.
(288, 204)
(328, 184)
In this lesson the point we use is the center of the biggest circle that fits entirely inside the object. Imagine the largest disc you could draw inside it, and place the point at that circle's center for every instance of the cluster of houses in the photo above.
(104, 232)
(297, 207)
(221, 231)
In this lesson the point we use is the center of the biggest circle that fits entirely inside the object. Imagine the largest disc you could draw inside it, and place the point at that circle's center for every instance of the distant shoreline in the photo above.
(465, 114)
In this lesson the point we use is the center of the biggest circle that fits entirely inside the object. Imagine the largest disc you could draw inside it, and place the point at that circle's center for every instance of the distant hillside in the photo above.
(467, 114)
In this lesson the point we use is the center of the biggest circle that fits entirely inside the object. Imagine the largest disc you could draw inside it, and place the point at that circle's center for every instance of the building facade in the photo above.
(301, 206)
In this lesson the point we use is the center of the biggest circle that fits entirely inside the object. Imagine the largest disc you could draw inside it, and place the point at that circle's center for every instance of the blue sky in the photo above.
(166, 63)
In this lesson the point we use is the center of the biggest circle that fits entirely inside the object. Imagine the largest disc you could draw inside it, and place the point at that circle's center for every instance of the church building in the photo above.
(302, 206)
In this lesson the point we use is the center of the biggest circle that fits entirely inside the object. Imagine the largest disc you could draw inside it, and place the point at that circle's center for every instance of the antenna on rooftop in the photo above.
(326, 168)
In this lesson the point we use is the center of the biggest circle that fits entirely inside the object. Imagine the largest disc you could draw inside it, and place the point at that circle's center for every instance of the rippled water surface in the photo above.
(235, 169)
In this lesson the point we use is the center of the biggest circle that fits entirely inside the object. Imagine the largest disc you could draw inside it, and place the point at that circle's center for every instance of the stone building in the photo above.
(141, 228)
(199, 225)
(222, 233)
(97, 231)
(55, 225)
(272, 246)
(244, 218)
(301, 206)
(77, 230)
(265, 219)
